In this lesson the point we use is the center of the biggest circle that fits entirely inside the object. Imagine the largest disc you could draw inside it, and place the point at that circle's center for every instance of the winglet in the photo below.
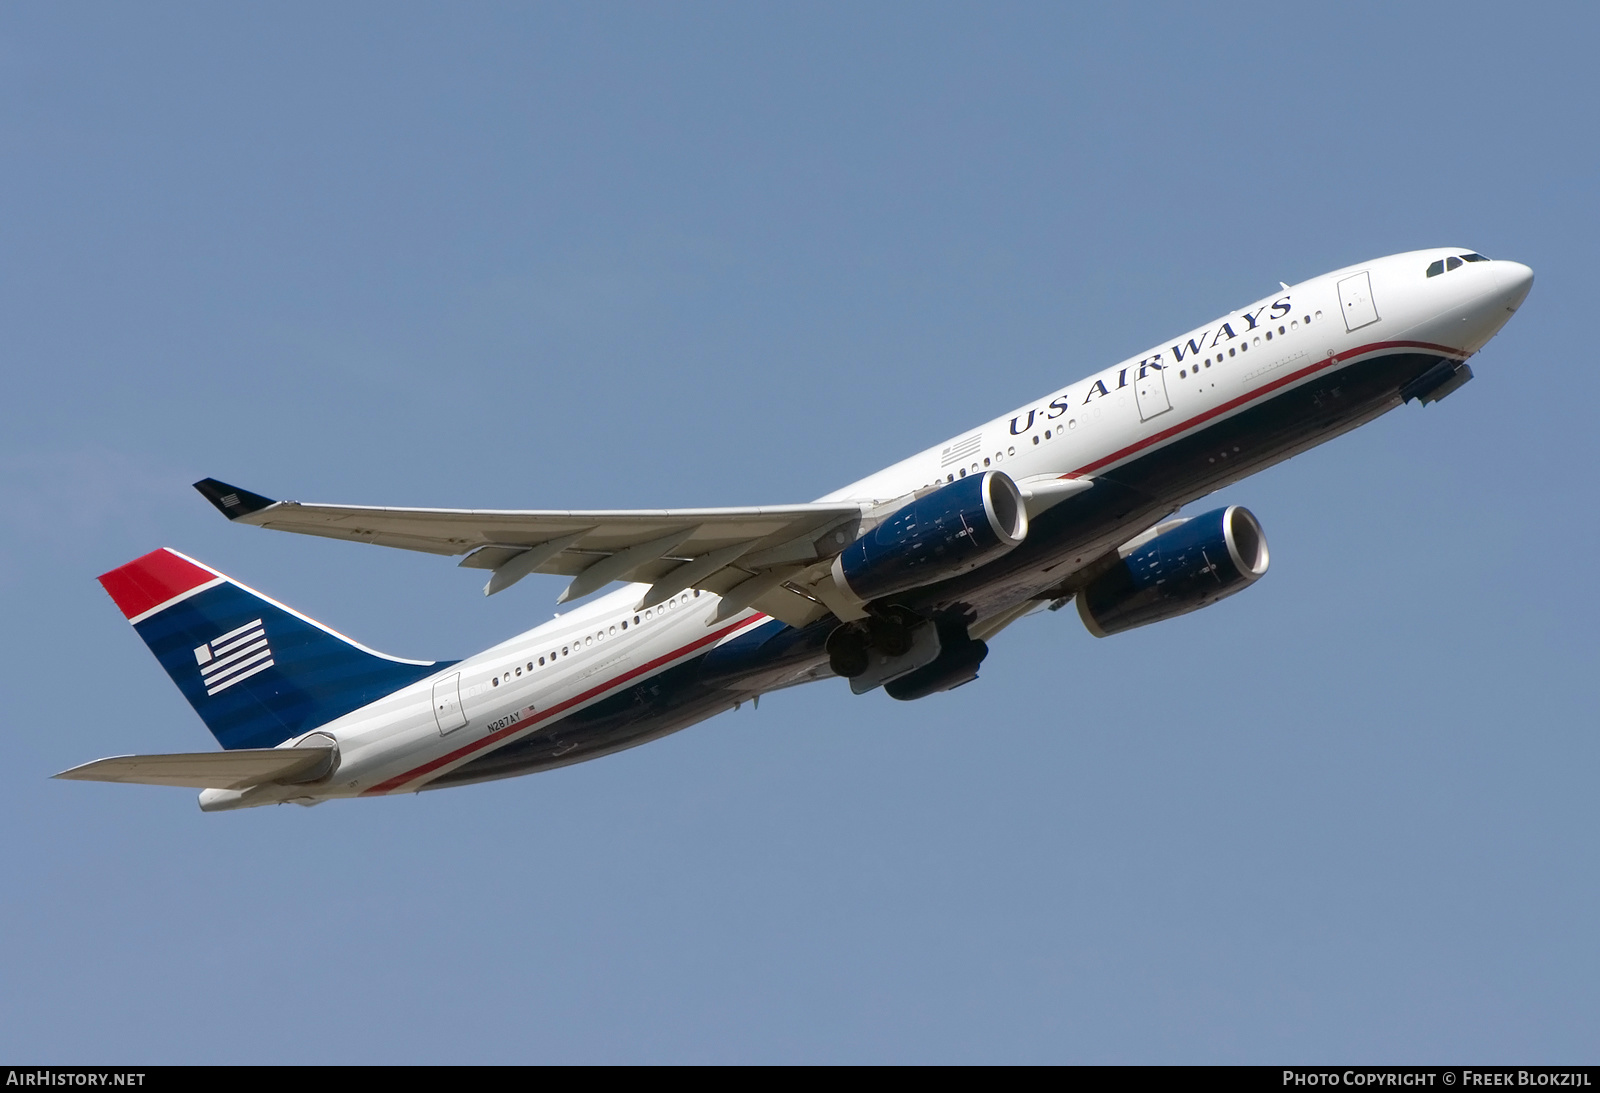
(231, 501)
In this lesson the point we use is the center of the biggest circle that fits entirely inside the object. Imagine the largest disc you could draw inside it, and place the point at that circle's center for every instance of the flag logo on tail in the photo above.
(236, 655)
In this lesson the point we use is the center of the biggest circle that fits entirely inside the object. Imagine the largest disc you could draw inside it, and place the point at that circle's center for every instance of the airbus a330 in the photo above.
(897, 581)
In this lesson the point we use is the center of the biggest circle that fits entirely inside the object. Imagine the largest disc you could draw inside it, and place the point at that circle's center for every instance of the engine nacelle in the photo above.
(953, 530)
(1183, 569)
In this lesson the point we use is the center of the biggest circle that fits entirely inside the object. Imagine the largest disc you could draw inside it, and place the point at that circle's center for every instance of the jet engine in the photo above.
(1181, 569)
(953, 530)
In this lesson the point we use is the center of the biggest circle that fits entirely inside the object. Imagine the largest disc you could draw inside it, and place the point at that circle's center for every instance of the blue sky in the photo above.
(611, 256)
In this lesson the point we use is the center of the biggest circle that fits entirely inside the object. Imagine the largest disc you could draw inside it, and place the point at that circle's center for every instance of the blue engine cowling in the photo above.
(954, 529)
(1180, 570)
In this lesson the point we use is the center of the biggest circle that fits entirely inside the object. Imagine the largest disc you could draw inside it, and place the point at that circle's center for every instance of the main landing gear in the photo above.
(851, 645)
(908, 656)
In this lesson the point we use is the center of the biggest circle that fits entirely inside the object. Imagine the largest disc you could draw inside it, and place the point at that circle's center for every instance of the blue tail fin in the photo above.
(257, 672)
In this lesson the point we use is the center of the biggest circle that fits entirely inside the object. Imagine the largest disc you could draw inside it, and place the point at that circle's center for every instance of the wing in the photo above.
(238, 769)
(749, 556)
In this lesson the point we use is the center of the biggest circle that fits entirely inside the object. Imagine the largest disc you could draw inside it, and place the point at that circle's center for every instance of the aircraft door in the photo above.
(1150, 391)
(1355, 300)
(447, 704)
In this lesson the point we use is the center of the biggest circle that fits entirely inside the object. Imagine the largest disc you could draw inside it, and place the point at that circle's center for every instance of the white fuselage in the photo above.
(1170, 392)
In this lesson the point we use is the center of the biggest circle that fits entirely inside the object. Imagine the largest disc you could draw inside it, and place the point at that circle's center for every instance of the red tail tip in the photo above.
(151, 581)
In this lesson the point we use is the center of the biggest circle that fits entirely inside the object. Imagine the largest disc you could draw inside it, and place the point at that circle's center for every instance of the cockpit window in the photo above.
(1444, 265)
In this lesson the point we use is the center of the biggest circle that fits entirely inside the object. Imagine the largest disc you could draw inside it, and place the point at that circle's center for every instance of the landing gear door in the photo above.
(447, 704)
(1355, 300)
(1150, 391)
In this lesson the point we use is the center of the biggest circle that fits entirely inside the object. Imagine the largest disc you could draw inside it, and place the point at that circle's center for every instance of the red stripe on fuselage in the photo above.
(561, 707)
(151, 581)
(1232, 404)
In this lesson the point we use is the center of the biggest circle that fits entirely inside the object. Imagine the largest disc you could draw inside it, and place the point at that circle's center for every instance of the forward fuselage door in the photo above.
(447, 704)
(1355, 300)
(1150, 391)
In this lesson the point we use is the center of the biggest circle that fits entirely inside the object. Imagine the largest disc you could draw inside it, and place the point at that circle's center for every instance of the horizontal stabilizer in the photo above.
(237, 769)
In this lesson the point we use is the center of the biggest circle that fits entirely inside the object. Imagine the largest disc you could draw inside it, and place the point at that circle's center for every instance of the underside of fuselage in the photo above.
(1125, 499)
(763, 659)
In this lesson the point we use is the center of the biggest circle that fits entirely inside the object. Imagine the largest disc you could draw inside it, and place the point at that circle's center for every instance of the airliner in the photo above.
(900, 580)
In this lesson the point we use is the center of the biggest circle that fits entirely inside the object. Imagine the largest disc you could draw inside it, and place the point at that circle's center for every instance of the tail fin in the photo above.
(257, 672)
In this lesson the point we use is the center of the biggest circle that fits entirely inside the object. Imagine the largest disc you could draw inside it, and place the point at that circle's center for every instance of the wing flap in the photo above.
(237, 769)
(789, 606)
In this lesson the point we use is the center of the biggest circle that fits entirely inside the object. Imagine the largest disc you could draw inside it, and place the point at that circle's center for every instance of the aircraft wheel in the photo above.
(890, 638)
(891, 631)
(847, 651)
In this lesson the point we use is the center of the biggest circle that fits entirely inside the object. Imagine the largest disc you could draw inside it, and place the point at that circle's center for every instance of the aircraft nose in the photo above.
(1515, 280)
